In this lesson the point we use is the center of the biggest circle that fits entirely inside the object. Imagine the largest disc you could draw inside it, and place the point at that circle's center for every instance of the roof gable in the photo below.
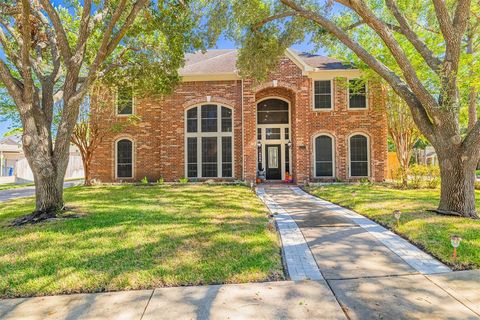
(213, 64)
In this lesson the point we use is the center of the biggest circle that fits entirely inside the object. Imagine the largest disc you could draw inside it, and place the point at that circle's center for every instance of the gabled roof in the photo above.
(11, 144)
(322, 62)
(12, 140)
(223, 62)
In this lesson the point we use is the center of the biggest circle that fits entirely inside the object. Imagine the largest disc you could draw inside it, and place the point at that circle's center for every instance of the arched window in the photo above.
(272, 111)
(324, 156)
(209, 141)
(124, 158)
(359, 156)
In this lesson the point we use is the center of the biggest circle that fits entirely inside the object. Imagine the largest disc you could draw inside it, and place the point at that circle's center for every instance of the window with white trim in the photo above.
(322, 94)
(124, 158)
(359, 156)
(357, 94)
(124, 101)
(209, 141)
(324, 156)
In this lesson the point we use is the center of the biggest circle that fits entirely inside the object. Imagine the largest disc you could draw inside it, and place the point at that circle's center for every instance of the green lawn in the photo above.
(425, 229)
(7, 186)
(133, 237)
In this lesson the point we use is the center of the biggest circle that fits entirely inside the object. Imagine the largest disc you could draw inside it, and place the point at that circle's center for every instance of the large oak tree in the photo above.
(416, 47)
(52, 54)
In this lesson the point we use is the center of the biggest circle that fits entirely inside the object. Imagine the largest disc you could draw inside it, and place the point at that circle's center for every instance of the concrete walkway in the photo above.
(6, 195)
(373, 273)
(270, 300)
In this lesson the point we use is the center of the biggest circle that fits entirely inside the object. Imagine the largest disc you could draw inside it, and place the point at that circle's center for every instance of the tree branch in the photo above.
(272, 18)
(427, 100)
(433, 62)
(59, 31)
(25, 53)
(83, 31)
(470, 143)
(12, 84)
(421, 117)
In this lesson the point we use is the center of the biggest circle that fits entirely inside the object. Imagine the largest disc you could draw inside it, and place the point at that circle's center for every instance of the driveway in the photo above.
(6, 195)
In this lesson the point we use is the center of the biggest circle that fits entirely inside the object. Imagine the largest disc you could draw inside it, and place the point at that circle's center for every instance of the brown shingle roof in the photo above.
(322, 62)
(224, 61)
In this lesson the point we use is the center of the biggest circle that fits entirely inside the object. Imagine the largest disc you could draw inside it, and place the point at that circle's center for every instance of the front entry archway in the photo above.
(273, 138)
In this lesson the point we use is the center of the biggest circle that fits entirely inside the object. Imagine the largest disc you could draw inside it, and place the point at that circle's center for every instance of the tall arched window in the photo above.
(359, 156)
(324, 156)
(124, 158)
(209, 142)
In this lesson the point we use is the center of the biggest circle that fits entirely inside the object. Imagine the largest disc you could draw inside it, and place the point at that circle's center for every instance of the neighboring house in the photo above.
(14, 166)
(10, 152)
(304, 121)
(431, 157)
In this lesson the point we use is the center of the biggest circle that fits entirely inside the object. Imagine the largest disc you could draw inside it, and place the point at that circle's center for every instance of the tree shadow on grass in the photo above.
(141, 245)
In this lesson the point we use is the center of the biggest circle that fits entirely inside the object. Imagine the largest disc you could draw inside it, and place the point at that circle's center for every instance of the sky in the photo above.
(222, 43)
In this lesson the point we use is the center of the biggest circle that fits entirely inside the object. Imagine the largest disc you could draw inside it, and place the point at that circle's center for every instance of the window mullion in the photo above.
(219, 141)
(199, 157)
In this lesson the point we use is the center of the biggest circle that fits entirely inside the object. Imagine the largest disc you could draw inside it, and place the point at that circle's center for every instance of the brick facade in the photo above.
(159, 138)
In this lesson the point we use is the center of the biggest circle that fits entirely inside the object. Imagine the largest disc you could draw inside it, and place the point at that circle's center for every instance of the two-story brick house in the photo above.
(311, 119)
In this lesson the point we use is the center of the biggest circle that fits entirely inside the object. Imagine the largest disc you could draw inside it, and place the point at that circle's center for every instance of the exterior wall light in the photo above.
(289, 144)
(259, 144)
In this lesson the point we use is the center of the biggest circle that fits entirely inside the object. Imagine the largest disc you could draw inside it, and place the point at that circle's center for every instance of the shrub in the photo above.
(364, 181)
(433, 177)
(424, 176)
(183, 180)
(416, 175)
(160, 181)
(477, 185)
(144, 181)
(400, 177)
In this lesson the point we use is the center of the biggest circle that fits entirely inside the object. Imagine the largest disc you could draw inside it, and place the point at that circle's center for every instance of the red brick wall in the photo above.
(159, 137)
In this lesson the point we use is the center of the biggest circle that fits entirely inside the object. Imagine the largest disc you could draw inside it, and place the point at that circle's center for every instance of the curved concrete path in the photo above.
(373, 273)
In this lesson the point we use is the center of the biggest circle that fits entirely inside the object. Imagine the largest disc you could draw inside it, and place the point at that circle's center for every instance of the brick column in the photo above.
(249, 132)
(301, 133)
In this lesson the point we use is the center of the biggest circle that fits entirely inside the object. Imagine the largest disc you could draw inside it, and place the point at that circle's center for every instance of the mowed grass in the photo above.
(427, 230)
(134, 237)
(8, 186)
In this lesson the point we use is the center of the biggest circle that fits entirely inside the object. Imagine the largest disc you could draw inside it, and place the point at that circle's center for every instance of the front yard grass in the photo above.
(427, 230)
(8, 186)
(135, 237)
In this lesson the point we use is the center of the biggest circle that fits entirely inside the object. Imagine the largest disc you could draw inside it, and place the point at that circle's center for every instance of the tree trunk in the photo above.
(458, 184)
(86, 171)
(48, 192)
(48, 173)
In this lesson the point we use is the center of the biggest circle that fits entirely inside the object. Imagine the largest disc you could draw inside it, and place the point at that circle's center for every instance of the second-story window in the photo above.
(357, 94)
(323, 94)
(124, 101)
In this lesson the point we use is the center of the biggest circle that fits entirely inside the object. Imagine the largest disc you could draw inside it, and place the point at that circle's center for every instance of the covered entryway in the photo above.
(273, 138)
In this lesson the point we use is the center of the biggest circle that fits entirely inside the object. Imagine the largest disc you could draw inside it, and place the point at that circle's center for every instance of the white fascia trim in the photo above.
(331, 74)
(298, 61)
(211, 77)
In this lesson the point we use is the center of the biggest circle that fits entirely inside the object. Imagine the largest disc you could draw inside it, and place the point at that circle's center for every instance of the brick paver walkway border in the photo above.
(298, 258)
